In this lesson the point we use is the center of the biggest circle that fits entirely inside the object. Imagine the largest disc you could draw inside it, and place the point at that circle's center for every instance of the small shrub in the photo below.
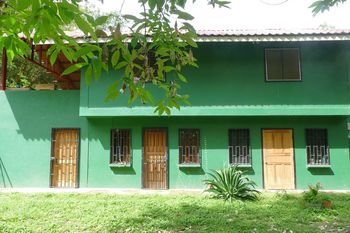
(230, 184)
(313, 197)
(312, 194)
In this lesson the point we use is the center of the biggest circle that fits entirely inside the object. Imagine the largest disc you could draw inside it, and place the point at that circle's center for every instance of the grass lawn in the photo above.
(167, 213)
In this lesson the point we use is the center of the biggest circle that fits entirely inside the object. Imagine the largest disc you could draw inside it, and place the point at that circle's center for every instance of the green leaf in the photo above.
(182, 78)
(183, 15)
(100, 33)
(121, 65)
(83, 24)
(189, 27)
(88, 75)
(168, 68)
(73, 68)
(131, 17)
(23, 4)
(160, 4)
(189, 40)
(181, 3)
(97, 67)
(167, 111)
(152, 4)
(53, 56)
(115, 57)
(112, 91)
(84, 51)
(101, 20)
(134, 41)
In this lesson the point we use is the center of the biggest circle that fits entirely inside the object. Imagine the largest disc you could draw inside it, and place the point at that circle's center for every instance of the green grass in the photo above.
(167, 213)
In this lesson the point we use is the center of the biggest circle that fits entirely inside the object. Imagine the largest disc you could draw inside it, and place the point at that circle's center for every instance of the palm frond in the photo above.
(230, 184)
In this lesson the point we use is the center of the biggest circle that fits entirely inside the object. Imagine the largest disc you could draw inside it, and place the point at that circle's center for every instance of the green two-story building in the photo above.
(276, 103)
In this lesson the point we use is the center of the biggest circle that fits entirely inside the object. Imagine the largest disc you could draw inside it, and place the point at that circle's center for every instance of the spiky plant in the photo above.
(230, 184)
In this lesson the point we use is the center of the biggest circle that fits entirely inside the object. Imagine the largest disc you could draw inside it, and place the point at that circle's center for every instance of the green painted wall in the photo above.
(214, 142)
(26, 120)
(25, 142)
(231, 81)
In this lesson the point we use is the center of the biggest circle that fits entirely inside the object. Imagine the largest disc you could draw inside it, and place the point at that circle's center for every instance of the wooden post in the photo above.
(3, 70)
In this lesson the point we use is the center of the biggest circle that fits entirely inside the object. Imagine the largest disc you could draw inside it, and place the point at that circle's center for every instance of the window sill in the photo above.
(283, 80)
(318, 166)
(242, 165)
(120, 165)
(189, 165)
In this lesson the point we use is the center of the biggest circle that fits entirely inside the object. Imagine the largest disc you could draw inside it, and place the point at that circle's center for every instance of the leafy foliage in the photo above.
(314, 198)
(154, 32)
(158, 50)
(312, 193)
(230, 184)
(324, 5)
(23, 73)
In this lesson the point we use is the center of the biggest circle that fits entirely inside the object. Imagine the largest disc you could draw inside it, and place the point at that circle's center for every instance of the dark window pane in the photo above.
(282, 64)
(120, 146)
(274, 64)
(239, 148)
(317, 147)
(291, 64)
(189, 146)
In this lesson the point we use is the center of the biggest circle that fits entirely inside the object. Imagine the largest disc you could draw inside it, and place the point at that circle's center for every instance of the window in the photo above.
(239, 147)
(189, 147)
(120, 147)
(317, 147)
(282, 64)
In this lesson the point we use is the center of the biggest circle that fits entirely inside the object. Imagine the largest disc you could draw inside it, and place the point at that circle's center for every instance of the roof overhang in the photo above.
(274, 38)
(265, 35)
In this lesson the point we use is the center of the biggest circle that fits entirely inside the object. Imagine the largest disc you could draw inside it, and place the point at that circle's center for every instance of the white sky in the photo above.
(252, 14)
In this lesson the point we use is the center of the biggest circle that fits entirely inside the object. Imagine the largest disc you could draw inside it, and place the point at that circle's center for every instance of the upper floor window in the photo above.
(239, 147)
(282, 64)
(120, 147)
(317, 147)
(189, 147)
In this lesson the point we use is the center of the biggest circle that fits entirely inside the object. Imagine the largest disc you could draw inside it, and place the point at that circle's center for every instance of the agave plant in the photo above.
(230, 184)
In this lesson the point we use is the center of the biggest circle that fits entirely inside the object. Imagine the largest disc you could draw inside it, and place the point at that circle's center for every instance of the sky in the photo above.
(252, 14)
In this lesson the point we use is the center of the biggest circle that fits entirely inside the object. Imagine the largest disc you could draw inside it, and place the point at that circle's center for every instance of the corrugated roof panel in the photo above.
(252, 35)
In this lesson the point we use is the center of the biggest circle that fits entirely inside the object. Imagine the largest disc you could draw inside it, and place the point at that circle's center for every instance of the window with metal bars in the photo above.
(282, 64)
(239, 148)
(317, 149)
(120, 147)
(189, 147)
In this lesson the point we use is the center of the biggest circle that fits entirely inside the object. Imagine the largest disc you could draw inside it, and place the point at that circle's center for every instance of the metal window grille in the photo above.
(282, 64)
(239, 148)
(189, 146)
(120, 146)
(317, 147)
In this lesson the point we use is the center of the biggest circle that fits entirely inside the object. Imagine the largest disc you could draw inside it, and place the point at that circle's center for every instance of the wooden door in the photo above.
(155, 174)
(64, 158)
(278, 159)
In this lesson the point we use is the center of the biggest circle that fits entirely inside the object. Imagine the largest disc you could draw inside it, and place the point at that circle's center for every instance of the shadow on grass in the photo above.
(275, 214)
(167, 213)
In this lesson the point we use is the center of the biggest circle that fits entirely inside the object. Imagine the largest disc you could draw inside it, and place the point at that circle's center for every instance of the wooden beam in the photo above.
(3, 70)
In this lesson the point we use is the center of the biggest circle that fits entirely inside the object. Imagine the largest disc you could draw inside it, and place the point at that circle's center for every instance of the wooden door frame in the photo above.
(78, 155)
(262, 154)
(167, 155)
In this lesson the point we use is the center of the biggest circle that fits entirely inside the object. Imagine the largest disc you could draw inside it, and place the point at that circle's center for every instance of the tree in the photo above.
(157, 46)
(324, 5)
(23, 73)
